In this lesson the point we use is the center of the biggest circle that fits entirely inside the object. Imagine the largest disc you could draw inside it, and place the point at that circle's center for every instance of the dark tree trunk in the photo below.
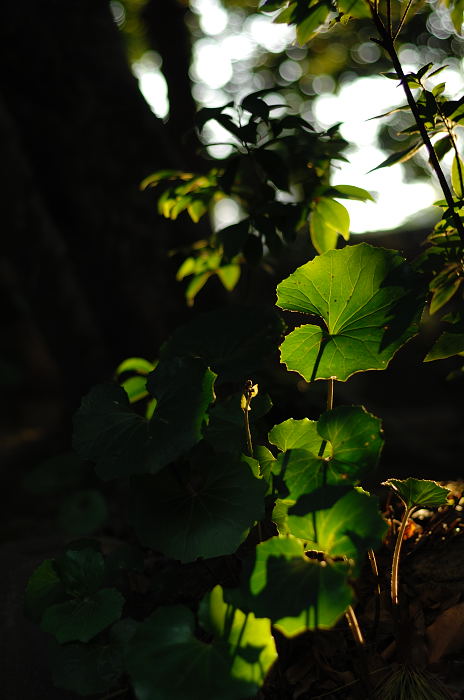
(83, 244)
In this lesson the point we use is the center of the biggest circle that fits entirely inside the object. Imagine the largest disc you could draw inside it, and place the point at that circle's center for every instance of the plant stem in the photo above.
(374, 567)
(330, 400)
(330, 393)
(249, 392)
(354, 626)
(388, 43)
(397, 552)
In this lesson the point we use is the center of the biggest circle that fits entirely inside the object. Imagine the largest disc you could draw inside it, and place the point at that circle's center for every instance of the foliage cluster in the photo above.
(205, 476)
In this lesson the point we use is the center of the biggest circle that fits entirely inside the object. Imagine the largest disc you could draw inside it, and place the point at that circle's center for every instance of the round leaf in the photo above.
(419, 492)
(81, 620)
(367, 298)
(295, 592)
(202, 509)
(296, 434)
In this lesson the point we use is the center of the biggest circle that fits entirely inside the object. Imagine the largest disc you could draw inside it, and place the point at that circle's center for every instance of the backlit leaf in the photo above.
(419, 492)
(368, 300)
(297, 593)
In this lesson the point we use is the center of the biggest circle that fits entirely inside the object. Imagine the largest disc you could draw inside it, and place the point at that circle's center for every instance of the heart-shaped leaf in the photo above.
(108, 432)
(168, 662)
(367, 298)
(419, 492)
(295, 592)
(204, 508)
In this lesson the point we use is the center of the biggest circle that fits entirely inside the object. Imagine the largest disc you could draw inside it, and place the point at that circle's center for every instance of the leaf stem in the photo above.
(354, 626)
(396, 554)
(249, 392)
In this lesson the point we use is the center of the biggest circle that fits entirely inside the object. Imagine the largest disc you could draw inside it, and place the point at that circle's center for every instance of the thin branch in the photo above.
(402, 20)
(388, 45)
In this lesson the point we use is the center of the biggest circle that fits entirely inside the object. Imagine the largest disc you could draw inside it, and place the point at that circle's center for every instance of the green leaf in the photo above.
(295, 592)
(108, 432)
(323, 236)
(457, 176)
(316, 16)
(249, 640)
(86, 669)
(135, 364)
(369, 300)
(135, 388)
(82, 513)
(201, 509)
(234, 342)
(442, 146)
(196, 209)
(350, 527)
(81, 620)
(123, 443)
(195, 285)
(350, 192)
(229, 276)
(399, 156)
(43, 589)
(419, 493)
(448, 344)
(355, 439)
(296, 434)
(167, 662)
(358, 9)
(328, 214)
(81, 571)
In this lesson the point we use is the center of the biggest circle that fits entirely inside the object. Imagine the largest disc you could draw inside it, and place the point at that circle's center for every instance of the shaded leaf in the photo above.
(448, 344)
(234, 341)
(399, 156)
(295, 592)
(201, 509)
(43, 589)
(81, 620)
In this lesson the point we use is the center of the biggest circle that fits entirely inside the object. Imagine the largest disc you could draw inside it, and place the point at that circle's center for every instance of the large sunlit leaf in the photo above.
(368, 300)
(108, 432)
(166, 661)
(419, 492)
(234, 342)
(204, 508)
(297, 593)
(296, 434)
